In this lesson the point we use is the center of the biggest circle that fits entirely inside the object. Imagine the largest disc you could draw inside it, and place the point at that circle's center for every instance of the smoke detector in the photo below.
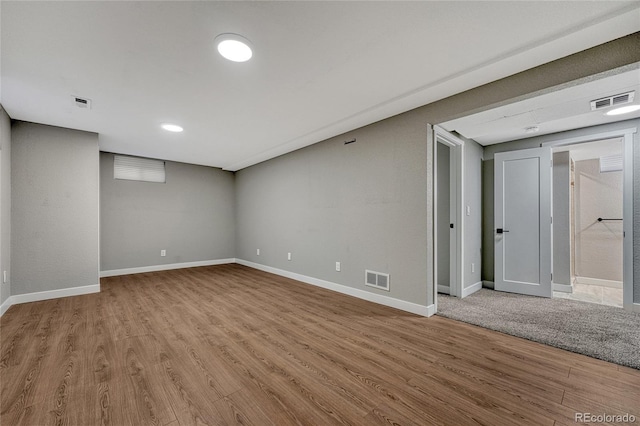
(621, 99)
(83, 103)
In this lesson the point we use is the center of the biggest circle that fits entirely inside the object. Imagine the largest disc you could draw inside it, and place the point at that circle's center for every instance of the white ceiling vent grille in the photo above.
(611, 163)
(377, 280)
(83, 103)
(622, 98)
(140, 169)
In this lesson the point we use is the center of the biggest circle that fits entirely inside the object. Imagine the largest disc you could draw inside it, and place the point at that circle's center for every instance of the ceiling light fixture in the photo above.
(172, 127)
(234, 47)
(623, 110)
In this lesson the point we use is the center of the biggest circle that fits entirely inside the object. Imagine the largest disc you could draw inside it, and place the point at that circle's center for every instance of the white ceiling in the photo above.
(553, 112)
(319, 68)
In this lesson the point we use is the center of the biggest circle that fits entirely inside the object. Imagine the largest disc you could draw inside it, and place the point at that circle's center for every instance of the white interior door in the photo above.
(523, 221)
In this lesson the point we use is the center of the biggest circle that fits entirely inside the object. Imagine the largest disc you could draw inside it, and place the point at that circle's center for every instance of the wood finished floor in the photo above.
(232, 345)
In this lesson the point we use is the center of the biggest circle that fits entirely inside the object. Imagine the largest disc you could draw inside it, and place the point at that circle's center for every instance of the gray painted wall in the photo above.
(488, 236)
(562, 218)
(192, 216)
(368, 204)
(443, 206)
(55, 202)
(473, 154)
(535, 142)
(5, 204)
(361, 204)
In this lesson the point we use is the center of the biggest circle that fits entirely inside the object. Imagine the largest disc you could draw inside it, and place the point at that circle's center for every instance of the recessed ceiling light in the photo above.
(172, 127)
(623, 110)
(234, 47)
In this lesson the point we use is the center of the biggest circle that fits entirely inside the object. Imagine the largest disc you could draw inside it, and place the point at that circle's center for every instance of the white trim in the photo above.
(440, 135)
(360, 294)
(431, 310)
(562, 288)
(600, 282)
(5, 305)
(489, 284)
(165, 267)
(591, 138)
(444, 289)
(54, 294)
(467, 291)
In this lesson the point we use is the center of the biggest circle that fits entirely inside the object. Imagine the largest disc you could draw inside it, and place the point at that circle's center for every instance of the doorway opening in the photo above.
(588, 210)
(448, 219)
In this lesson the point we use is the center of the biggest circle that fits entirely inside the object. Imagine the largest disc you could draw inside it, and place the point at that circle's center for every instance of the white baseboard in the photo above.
(165, 267)
(466, 291)
(598, 281)
(489, 284)
(635, 307)
(5, 305)
(444, 289)
(414, 308)
(46, 295)
(563, 288)
(431, 310)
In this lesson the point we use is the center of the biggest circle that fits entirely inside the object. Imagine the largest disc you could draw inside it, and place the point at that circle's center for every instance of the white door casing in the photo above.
(523, 227)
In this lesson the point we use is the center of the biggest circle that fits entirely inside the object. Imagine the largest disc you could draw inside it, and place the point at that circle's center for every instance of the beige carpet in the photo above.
(604, 332)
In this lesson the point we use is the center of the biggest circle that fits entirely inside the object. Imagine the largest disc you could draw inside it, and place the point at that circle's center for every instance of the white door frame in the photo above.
(627, 213)
(456, 146)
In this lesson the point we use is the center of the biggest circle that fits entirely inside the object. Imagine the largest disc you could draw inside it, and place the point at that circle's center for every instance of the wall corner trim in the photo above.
(165, 267)
(6, 305)
(467, 291)
(563, 288)
(16, 299)
(413, 308)
(431, 310)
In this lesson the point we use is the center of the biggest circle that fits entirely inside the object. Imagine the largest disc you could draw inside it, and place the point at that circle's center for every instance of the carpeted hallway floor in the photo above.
(604, 332)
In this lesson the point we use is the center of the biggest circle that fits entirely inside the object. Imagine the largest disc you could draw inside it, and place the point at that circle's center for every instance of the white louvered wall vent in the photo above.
(377, 280)
(621, 99)
(611, 163)
(140, 169)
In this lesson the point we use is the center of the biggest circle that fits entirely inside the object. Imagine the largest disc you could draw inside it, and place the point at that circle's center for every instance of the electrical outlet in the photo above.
(473, 267)
(288, 256)
(163, 253)
(337, 266)
(257, 252)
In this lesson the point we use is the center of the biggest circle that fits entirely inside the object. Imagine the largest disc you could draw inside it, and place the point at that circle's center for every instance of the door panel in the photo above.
(523, 222)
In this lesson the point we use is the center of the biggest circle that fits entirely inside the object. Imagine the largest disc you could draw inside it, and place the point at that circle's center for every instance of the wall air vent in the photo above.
(621, 99)
(376, 279)
(83, 103)
(611, 163)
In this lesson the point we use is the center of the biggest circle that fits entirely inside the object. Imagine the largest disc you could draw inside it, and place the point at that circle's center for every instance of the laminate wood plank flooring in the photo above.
(225, 345)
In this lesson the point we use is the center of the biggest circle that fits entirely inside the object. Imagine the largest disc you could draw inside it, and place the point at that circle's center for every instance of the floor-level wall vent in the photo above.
(378, 280)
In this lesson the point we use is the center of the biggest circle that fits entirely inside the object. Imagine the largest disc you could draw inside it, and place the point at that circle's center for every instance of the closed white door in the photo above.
(523, 222)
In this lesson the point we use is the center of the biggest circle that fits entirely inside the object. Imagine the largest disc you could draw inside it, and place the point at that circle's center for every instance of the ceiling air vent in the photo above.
(376, 279)
(83, 103)
(622, 98)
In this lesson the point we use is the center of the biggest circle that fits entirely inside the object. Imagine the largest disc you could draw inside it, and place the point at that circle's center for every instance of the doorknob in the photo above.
(500, 230)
